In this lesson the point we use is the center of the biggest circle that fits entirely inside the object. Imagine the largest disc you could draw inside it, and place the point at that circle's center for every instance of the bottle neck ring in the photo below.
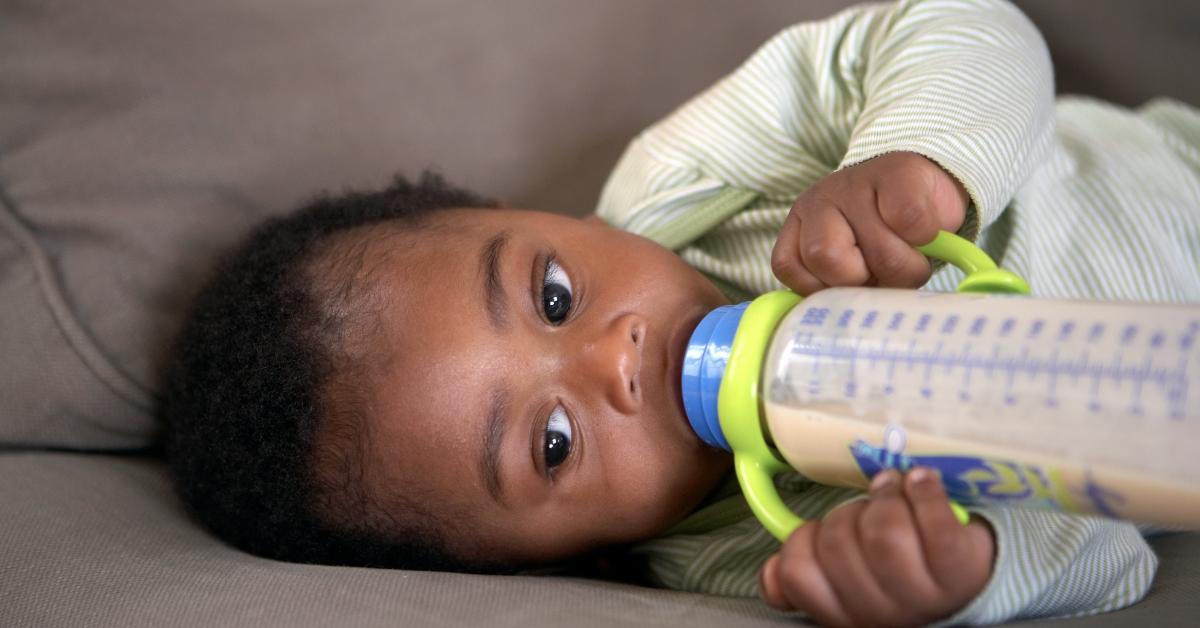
(703, 367)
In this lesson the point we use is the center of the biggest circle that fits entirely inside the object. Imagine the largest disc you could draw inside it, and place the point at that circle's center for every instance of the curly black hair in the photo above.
(264, 445)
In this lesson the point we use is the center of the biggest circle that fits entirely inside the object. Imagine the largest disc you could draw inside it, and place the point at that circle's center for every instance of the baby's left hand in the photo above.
(899, 558)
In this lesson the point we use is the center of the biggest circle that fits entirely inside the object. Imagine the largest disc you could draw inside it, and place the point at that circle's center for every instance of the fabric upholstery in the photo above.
(100, 540)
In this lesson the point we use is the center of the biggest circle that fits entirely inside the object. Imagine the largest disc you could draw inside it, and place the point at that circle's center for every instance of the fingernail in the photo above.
(923, 477)
(882, 480)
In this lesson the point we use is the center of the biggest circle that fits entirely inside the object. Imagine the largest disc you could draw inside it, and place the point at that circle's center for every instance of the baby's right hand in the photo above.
(859, 226)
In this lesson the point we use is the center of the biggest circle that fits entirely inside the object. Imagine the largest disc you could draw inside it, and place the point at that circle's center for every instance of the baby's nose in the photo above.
(614, 360)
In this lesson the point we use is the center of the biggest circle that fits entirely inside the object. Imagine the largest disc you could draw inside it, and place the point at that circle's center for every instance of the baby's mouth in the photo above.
(676, 351)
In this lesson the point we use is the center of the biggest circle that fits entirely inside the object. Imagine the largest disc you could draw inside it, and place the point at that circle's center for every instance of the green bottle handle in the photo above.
(738, 398)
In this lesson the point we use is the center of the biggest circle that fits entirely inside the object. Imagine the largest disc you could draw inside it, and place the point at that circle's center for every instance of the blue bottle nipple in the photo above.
(703, 366)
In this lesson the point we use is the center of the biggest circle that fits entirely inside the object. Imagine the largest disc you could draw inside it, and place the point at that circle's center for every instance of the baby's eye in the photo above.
(558, 438)
(556, 292)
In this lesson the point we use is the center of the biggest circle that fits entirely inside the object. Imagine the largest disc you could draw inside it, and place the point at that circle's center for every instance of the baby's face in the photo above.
(527, 381)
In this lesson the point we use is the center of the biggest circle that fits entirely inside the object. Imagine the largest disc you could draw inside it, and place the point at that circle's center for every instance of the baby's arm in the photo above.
(1051, 564)
(966, 84)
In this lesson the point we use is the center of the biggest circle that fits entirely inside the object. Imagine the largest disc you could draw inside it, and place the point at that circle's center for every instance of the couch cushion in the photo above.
(101, 540)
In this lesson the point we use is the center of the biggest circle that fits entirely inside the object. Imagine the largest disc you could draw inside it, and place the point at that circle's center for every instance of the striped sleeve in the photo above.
(719, 549)
(966, 83)
(1047, 564)
(1050, 564)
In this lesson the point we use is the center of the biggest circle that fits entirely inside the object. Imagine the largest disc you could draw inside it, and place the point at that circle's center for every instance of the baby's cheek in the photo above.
(674, 491)
(638, 501)
(650, 474)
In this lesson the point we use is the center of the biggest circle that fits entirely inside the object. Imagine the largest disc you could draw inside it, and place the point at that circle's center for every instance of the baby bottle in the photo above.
(1077, 406)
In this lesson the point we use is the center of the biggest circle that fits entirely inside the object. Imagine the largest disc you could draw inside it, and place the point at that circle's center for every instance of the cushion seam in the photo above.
(68, 325)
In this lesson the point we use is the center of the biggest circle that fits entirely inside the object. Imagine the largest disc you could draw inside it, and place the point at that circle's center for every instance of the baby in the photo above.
(416, 377)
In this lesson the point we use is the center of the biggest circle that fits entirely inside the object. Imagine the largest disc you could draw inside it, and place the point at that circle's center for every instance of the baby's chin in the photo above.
(712, 470)
(686, 510)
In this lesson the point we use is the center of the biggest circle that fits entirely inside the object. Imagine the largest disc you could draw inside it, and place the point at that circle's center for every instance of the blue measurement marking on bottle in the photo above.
(1177, 390)
(883, 353)
(897, 319)
(890, 387)
(977, 326)
(814, 385)
(1034, 367)
(1011, 367)
(922, 323)
(1128, 334)
(873, 356)
(851, 388)
(963, 394)
(843, 320)
(949, 324)
(1036, 328)
(815, 316)
(926, 386)
(910, 356)
(833, 353)
(1097, 372)
(1081, 368)
(1051, 390)
(1007, 326)
(868, 321)
(1096, 332)
(1045, 365)
(1139, 376)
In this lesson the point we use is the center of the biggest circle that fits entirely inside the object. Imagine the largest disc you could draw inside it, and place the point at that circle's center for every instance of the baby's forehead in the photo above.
(366, 261)
(419, 290)
(394, 284)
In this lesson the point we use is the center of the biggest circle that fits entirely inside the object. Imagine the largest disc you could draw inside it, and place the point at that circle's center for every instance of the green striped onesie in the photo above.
(1083, 199)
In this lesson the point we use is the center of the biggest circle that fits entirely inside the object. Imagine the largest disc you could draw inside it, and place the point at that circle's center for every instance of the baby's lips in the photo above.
(676, 350)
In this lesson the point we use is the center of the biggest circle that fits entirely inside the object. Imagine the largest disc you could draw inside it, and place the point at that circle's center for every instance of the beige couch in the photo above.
(138, 137)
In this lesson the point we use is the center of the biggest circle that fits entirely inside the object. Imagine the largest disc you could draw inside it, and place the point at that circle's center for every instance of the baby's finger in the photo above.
(786, 259)
(829, 249)
(892, 546)
(801, 581)
(893, 262)
(906, 207)
(841, 555)
(769, 587)
(943, 539)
